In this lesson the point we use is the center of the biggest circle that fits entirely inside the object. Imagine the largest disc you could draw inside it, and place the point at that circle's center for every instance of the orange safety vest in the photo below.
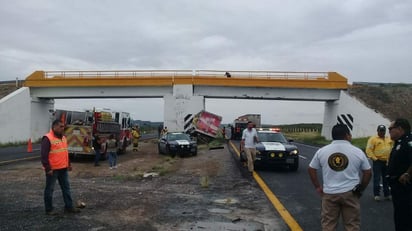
(58, 155)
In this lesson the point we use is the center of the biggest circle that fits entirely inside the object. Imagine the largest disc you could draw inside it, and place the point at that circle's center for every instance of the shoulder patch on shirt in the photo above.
(338, 161)
(398, 147)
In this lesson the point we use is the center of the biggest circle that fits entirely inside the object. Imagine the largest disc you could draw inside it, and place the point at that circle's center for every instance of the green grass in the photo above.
(218, 142)
(360, 142)
(164, 167)
(311, 138)
(315, 139)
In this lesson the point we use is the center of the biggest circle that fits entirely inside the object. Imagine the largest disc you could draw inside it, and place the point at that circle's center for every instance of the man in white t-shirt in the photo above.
(249, 138)
(342, 166)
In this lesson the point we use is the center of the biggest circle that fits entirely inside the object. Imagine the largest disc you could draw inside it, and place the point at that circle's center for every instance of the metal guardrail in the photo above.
(186, 73)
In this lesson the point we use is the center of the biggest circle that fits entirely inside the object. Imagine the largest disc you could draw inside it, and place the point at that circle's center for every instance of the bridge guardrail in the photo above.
(186, 73)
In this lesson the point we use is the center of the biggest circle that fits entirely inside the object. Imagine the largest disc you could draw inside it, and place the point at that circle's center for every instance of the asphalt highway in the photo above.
(296, 193)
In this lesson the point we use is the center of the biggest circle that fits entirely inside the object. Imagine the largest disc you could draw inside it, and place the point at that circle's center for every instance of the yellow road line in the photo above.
(15, 160)
(287, 217)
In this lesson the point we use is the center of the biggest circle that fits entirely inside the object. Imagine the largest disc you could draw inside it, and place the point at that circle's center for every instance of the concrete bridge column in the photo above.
(24, 117)
(361, 120)
(180, 104)
(41, 117)
(329, 118)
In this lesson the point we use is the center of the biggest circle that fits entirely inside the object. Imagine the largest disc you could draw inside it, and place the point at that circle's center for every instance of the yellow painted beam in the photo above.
(119, 78)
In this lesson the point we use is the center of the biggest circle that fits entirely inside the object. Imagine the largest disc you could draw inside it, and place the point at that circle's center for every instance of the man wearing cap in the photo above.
(378, 149)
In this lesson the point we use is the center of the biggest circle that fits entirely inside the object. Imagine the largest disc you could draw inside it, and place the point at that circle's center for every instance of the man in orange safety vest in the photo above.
(55, 161)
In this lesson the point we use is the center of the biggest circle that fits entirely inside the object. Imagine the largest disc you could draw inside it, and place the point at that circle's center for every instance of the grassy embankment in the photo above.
(315, 139)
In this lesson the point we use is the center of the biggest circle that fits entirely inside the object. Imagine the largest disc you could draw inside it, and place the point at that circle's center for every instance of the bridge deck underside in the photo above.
(226, 92)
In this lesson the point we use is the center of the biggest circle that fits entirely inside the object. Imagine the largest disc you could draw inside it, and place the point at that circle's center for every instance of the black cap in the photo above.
(381, 128)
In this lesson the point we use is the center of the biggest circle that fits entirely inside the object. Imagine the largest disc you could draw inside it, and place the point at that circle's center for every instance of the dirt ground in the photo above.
(204, 192)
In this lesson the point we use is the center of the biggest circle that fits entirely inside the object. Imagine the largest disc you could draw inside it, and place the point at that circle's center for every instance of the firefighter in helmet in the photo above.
(164, 130)
(135, 136)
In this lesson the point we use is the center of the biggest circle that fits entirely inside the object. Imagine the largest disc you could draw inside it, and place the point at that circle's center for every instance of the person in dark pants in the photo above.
(345, 174)
(159, 131)
(97, 146)
(399, 173)
(56, 164)
(378, 149)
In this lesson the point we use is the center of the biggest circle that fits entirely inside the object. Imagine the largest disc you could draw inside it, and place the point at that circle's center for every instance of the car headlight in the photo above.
(293, 152)
(257, 152)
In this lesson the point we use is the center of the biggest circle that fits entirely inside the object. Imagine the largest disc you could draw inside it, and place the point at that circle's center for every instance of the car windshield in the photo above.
(178, 136)
(271, 137)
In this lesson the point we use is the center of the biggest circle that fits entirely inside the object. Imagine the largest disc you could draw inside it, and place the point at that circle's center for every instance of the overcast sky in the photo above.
(368, 41)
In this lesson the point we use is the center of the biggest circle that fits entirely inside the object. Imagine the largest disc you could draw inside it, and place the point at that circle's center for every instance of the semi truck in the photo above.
(204, 124)
(82, 127)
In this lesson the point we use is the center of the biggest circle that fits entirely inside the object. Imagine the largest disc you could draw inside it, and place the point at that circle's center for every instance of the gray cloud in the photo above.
(363, 40)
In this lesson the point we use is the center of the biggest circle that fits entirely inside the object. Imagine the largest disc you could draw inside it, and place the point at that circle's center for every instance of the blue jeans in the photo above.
(379, 172)
(97, 157)
(112, 159)
(63, 177)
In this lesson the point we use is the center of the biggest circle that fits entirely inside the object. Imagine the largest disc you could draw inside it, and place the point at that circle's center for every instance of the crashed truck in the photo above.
(81, 127)
(204, 126)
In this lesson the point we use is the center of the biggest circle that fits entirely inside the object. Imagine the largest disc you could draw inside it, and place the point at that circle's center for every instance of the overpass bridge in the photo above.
(183, 91)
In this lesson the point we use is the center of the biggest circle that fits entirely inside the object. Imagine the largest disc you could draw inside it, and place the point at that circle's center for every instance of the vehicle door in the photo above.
(162, 143)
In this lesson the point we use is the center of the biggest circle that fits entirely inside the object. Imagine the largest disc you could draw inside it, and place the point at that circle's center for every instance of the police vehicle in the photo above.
(177, 143)
(274, 149)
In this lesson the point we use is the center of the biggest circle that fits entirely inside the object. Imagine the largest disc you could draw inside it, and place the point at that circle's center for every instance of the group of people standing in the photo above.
(346, 173)
(110, 147)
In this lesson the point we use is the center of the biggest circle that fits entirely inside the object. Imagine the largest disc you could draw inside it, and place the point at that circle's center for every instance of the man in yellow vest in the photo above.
(55, 161)
(378, 149)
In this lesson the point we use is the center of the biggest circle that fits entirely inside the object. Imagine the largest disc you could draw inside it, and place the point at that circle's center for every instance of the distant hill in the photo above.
(389, 99)
(7, 87)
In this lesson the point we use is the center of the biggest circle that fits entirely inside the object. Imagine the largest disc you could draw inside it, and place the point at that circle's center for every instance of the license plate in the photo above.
(258, 158)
